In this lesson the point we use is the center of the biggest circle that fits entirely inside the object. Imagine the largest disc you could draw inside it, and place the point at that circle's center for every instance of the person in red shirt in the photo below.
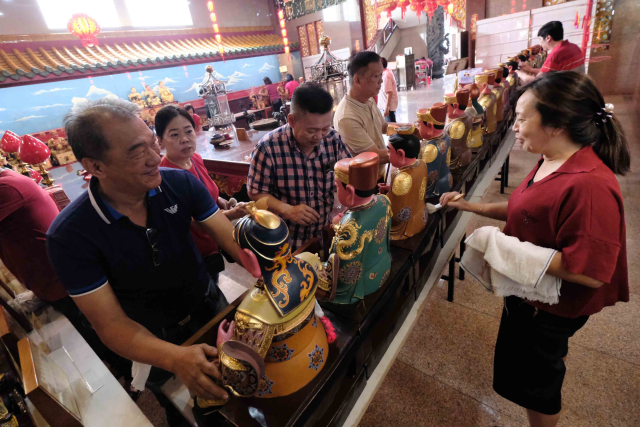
(291, 85)
(570, 202)
(274, 96)
(196, 118)
(26, 212)
(176, 134)
(562, 54)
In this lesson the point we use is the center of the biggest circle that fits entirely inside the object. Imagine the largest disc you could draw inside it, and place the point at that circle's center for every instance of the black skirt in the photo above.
(528, 367)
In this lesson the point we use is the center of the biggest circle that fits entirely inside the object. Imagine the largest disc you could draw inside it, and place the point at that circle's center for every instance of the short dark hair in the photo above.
(311, 98)
(359, 61)
(384, 61)
(409, 143)
(83, 125)
(267, 81)
(288, 78)
(168, 113)
(553, 29)
(190, 107)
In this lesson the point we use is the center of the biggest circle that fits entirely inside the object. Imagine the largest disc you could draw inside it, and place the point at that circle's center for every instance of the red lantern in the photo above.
(215, 28)
(33, 151)
(284, 32)
(450, 8)
(417, 6)
(210, 6)
(213, 17)
(10, 142)
(218, 38)
(402, 4)
(85, 27)
(431, 7)
(390, 8)
(286, 49)
(280, 14)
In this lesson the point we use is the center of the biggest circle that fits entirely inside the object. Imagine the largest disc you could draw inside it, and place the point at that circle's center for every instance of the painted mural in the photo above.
(39, 107)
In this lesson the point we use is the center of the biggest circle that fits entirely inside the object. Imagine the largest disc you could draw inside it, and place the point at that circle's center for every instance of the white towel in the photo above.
(507, 266)
(140, 373)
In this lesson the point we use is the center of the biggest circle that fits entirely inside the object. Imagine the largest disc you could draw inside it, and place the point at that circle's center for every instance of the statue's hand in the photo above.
(336, 219)
(225, 332)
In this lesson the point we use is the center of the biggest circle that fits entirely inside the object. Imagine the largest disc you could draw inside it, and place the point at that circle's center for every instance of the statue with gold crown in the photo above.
(498, 91)
(61, 152)
(408, 185)
(435, 149)
(151, 97)
(488, 102)
(136, 98)
(361, 240)
(458, 128)
(165, 94)
(279, 339)
(506, 89)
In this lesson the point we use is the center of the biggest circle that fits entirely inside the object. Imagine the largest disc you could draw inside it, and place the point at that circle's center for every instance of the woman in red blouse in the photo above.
(570, 202)
(196, 118)
(176, 134)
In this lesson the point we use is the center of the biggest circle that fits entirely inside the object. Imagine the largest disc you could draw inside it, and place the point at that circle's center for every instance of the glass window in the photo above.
(57, 13)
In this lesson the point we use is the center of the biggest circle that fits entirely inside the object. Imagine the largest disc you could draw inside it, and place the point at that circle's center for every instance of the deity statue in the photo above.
(457, 103)
(165, 94)
(263, 97)
(282, 92)
(61, 152)
(435, 149)
(253, 98)
(408, 185)
(474, 139)
(150, 95)
(361, 240)
(488, 102)
(436, 40)
(459, 129)
(506, 88)
(498, 91)
(279, 339)
(136, 98)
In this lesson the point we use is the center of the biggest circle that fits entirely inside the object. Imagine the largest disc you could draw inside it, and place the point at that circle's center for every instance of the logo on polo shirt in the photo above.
(172, 209)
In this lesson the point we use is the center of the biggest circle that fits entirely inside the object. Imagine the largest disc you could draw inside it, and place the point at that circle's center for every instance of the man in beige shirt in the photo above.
(357, 118)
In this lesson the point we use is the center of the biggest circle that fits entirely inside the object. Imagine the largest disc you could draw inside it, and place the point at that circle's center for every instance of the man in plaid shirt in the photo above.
(293, 165)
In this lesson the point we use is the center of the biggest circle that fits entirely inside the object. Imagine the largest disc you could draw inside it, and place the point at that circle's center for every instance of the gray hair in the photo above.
(83, 124)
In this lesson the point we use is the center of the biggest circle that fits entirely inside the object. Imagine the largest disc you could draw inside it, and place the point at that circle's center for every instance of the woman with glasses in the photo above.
(175, 128)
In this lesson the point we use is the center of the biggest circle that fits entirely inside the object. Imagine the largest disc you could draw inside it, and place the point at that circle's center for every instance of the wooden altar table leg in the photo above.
(451, 277)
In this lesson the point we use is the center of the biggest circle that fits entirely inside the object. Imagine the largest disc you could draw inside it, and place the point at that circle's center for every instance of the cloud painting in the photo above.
(193, 87)
(93, 90)
(245, 65)
(55, 89)
(266, 67)
(3, 109)
(24, 119)
(75, 100)
(142, 78)
(42, 107)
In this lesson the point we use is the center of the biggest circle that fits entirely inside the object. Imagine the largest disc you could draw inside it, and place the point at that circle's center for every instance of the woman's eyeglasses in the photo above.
(152, 237)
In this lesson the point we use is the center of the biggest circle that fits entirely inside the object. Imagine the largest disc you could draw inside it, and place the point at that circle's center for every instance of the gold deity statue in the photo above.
(152, 98)
(165, 94)
(136, 98)
(61, 152)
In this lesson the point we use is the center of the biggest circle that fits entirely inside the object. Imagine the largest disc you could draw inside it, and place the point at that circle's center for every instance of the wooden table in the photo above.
(228, 166)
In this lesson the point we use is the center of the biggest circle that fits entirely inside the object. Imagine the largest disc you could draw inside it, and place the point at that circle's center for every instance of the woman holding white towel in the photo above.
(570, 202)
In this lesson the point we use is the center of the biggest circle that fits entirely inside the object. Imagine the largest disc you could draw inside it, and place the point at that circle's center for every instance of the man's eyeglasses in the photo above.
(152, 237)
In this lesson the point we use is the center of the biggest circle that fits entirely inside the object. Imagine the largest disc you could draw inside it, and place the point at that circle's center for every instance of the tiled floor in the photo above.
(443, 374)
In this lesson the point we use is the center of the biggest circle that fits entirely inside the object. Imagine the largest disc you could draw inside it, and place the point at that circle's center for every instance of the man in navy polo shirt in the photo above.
(124, 251)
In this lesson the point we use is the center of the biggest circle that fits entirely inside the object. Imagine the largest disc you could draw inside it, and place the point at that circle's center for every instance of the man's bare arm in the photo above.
(301, 214)
(134, 342)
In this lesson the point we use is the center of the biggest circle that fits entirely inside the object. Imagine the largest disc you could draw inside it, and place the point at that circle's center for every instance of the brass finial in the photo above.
(325, 41)
(263, 217)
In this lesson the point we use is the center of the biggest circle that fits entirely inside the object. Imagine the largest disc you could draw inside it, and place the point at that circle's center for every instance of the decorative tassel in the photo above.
(329, 329)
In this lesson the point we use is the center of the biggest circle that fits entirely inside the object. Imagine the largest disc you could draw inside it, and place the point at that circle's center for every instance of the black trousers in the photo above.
(391, 118)
(213, 304)
(528, 364)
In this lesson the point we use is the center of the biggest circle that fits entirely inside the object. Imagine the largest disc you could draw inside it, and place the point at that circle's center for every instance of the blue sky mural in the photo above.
(35, 108)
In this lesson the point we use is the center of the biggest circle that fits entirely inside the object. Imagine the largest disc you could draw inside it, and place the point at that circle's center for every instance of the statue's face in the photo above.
(54, 134)
(148, 87)
(161, 84)
(133, 90)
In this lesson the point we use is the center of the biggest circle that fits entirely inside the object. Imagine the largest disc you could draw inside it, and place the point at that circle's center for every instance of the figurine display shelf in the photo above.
(435, 149)
(408, 185)
(279, 339)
